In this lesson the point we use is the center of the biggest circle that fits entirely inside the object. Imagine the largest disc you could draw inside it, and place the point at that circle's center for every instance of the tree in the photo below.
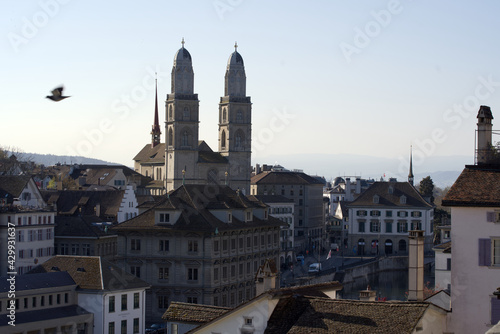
(426, 188)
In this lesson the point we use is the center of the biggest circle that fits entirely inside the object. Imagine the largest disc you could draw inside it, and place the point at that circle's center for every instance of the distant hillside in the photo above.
(51, 159)
(443, 170)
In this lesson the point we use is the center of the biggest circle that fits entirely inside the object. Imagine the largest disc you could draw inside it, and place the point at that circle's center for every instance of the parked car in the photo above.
(300, 258)
(314, 268)
(156, 328)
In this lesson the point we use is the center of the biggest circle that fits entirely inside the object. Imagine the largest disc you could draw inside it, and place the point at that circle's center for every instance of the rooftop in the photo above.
(91, 273)
(477, 185)
(192, 313)
(389, 195)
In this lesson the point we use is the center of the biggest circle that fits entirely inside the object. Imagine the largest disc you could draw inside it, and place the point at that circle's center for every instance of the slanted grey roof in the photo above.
(47, 314)
(91, 273)
(195, 202)
(389, 195)
(284, 177)
(192, 313)
(303, 314)
(37, 281)
(14, 184)
(151, 155)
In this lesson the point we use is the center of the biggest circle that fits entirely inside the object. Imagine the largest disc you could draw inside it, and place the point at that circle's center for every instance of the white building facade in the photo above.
(380, 218)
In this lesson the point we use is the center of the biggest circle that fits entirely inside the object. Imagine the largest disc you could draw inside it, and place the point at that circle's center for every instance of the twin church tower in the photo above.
(185, 159)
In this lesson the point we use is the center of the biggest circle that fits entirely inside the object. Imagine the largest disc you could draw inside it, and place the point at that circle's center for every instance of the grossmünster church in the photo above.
(184, 158)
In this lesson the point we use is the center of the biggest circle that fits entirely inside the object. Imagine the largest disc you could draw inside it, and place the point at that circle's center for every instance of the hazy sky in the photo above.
(360, 77)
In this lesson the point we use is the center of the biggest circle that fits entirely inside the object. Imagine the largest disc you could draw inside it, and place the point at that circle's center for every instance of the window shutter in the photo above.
(495, 310)
(490, 217)
(484, 252)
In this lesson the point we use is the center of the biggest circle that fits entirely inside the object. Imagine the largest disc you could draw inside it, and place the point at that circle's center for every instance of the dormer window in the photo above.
(391, 190)
(402, 199)
(248, 216)
(164, 218)
(376, 199)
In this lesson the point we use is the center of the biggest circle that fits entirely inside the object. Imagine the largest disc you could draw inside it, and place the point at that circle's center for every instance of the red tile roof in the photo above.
(476, 186)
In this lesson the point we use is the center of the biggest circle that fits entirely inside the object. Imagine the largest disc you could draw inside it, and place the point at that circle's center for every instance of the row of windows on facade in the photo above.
(163, 273)
(375, 244)
(123, 326)
(38, 301)
(34, 235)
(130, 215)
(192, 245)
(283, 193)
(85, 249)
(192, 273)
(225, 242)
(388, 213)
(281, 209)
(221, 300)
(32, 220)
(124, 302)
(401, 227)
(40, 252)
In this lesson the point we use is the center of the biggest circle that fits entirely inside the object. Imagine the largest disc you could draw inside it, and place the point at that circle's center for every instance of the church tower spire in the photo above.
(235, 123)
(182, 118)
(156, 132)
(410, 173)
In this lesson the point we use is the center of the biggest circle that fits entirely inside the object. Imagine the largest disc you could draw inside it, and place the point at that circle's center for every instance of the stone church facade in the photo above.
(184, 158)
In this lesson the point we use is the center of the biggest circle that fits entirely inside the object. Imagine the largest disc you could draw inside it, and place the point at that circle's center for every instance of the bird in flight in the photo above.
(57, 94)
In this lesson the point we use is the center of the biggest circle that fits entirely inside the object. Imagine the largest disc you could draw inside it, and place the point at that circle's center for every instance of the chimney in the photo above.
(416, 266)
(348, 194)
(367, 295)
(484, 144)
(97, 209)
(358, 185)
(257, 169)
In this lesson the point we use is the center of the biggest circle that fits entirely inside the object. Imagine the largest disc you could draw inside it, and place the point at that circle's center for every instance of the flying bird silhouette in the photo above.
(57, 94)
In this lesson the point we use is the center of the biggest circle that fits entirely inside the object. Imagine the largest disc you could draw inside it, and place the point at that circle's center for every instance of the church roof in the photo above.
(182, 56)
(235, 59)
(151, 155)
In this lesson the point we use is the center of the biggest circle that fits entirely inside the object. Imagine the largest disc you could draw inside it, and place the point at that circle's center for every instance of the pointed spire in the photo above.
(410, 173)
(156, 132)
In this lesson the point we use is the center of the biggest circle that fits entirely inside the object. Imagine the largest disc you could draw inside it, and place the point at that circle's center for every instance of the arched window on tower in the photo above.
(186, 115)
(238, 140)
(170, 113)
(224, 115)
(170, 137)
(239, 116)
(185, 138)
(223, 139)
